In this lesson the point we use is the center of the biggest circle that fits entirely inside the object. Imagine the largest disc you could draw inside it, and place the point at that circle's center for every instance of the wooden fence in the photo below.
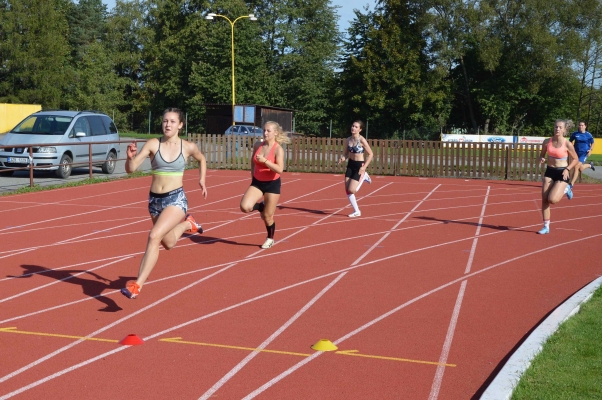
(391, 157)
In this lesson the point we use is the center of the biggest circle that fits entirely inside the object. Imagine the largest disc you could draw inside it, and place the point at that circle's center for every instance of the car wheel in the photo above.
(64, 170)
(6, 173)
(109, 166)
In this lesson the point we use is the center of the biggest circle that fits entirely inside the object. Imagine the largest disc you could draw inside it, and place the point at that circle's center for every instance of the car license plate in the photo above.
(24, 160)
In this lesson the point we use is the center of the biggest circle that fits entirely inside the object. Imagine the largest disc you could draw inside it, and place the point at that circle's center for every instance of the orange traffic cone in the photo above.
(131, 340)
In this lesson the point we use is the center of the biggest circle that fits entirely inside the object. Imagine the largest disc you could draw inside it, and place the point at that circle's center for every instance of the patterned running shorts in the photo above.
(157, 202)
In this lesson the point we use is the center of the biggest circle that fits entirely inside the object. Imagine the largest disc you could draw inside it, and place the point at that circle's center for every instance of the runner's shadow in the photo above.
(496, 227)
(92, 288)
(309, 210)
(202, 239)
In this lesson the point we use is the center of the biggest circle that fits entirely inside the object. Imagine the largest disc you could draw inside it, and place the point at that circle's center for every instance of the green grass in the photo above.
(596, 158)
(570, 363)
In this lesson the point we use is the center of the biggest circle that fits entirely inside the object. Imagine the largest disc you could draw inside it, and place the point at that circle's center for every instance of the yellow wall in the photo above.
(597, 146)
(12, 114)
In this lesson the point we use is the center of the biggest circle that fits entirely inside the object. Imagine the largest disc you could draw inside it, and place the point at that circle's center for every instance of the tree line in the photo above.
(410, 69)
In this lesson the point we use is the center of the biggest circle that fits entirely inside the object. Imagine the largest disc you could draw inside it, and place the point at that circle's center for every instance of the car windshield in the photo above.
(43, 125)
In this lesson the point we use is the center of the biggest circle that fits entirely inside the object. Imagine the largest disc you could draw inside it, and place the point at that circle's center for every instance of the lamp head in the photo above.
(252, 17)
(208, 17)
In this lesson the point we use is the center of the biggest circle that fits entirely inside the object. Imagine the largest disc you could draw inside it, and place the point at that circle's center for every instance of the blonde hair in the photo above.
(568, 124)
(281, 137)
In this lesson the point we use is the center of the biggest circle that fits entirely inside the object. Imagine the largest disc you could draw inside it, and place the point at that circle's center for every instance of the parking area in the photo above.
(48, 178)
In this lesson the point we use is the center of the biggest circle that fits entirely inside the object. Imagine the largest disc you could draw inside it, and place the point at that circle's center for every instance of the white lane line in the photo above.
(396, 225)
(112, 324)
(269, 340)
(438, 379)
(447, 345)
(103, 209)
(353, 265)
(391, 312)
(64, 267)
(298, 249)
(316, 222)
(107, 221)
(106, 327)
(476, 239)
(249, 215)
(61, 280)
(60, 202)
(81, 239)
(315, 355)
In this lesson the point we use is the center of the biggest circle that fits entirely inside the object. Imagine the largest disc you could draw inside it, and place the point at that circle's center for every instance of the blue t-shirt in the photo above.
(583, 141)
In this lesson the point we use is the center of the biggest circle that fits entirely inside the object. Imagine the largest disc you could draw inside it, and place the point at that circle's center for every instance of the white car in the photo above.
(244, 130)
(59, 139)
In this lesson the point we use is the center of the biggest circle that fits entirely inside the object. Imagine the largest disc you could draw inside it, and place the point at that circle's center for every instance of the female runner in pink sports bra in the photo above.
(266, 166)
(556, 177)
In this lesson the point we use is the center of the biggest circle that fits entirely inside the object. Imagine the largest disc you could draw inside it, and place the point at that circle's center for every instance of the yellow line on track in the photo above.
(343, 353)
(353, 353)
(13, 330)
(178, 340)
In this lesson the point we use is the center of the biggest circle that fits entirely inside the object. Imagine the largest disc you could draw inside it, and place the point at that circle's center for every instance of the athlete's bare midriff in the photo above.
(164, 184)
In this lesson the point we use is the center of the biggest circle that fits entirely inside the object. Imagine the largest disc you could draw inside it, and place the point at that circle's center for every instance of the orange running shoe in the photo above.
(194, 227)
(131, 291)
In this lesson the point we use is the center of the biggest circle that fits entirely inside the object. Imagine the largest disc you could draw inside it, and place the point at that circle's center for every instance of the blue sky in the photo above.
(345, 12)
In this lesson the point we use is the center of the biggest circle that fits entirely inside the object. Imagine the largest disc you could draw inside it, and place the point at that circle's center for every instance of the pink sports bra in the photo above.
(560, 153)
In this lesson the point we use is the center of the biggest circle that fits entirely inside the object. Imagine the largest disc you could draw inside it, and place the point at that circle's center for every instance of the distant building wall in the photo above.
(12, 114)
(597, 146)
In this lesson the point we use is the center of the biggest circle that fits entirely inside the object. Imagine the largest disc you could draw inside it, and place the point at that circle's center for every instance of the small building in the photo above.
(12, 114)
(219, 116)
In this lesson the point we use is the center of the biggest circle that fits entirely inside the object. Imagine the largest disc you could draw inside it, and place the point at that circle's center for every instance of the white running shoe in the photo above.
(355, 215)
(367, 177)
(268, 243)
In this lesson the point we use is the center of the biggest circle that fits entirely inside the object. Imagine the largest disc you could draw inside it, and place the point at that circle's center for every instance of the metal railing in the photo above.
(31, 165)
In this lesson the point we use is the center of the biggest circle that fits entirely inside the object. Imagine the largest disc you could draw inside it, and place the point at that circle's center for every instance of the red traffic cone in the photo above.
(131, 340)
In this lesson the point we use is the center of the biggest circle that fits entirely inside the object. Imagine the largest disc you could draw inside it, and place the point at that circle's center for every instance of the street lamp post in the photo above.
(252, 18)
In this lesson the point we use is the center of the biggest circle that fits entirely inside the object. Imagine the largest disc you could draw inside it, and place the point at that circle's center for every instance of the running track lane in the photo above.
(404, 270)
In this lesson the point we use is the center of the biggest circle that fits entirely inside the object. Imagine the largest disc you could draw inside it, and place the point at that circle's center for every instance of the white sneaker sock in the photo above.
(353, 202)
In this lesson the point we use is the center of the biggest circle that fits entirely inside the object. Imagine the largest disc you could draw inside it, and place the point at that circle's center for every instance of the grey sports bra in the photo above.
(162, 167)
(356, 148)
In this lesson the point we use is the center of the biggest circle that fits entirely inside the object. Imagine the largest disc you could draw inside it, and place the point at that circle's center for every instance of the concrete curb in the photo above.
(506, 380)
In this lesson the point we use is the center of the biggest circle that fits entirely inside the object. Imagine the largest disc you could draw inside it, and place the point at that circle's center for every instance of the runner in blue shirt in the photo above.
(584, 143)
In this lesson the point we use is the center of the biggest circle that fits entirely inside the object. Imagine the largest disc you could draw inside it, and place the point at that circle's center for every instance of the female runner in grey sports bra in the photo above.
(167, 203)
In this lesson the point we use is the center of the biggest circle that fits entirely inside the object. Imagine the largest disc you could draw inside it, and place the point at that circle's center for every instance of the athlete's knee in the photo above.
(245, 208)
(154, 237)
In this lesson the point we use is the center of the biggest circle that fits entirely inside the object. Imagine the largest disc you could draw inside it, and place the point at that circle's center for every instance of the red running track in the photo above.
(425, 295)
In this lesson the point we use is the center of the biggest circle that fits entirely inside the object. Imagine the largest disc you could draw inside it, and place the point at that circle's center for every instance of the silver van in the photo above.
(61, 138)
